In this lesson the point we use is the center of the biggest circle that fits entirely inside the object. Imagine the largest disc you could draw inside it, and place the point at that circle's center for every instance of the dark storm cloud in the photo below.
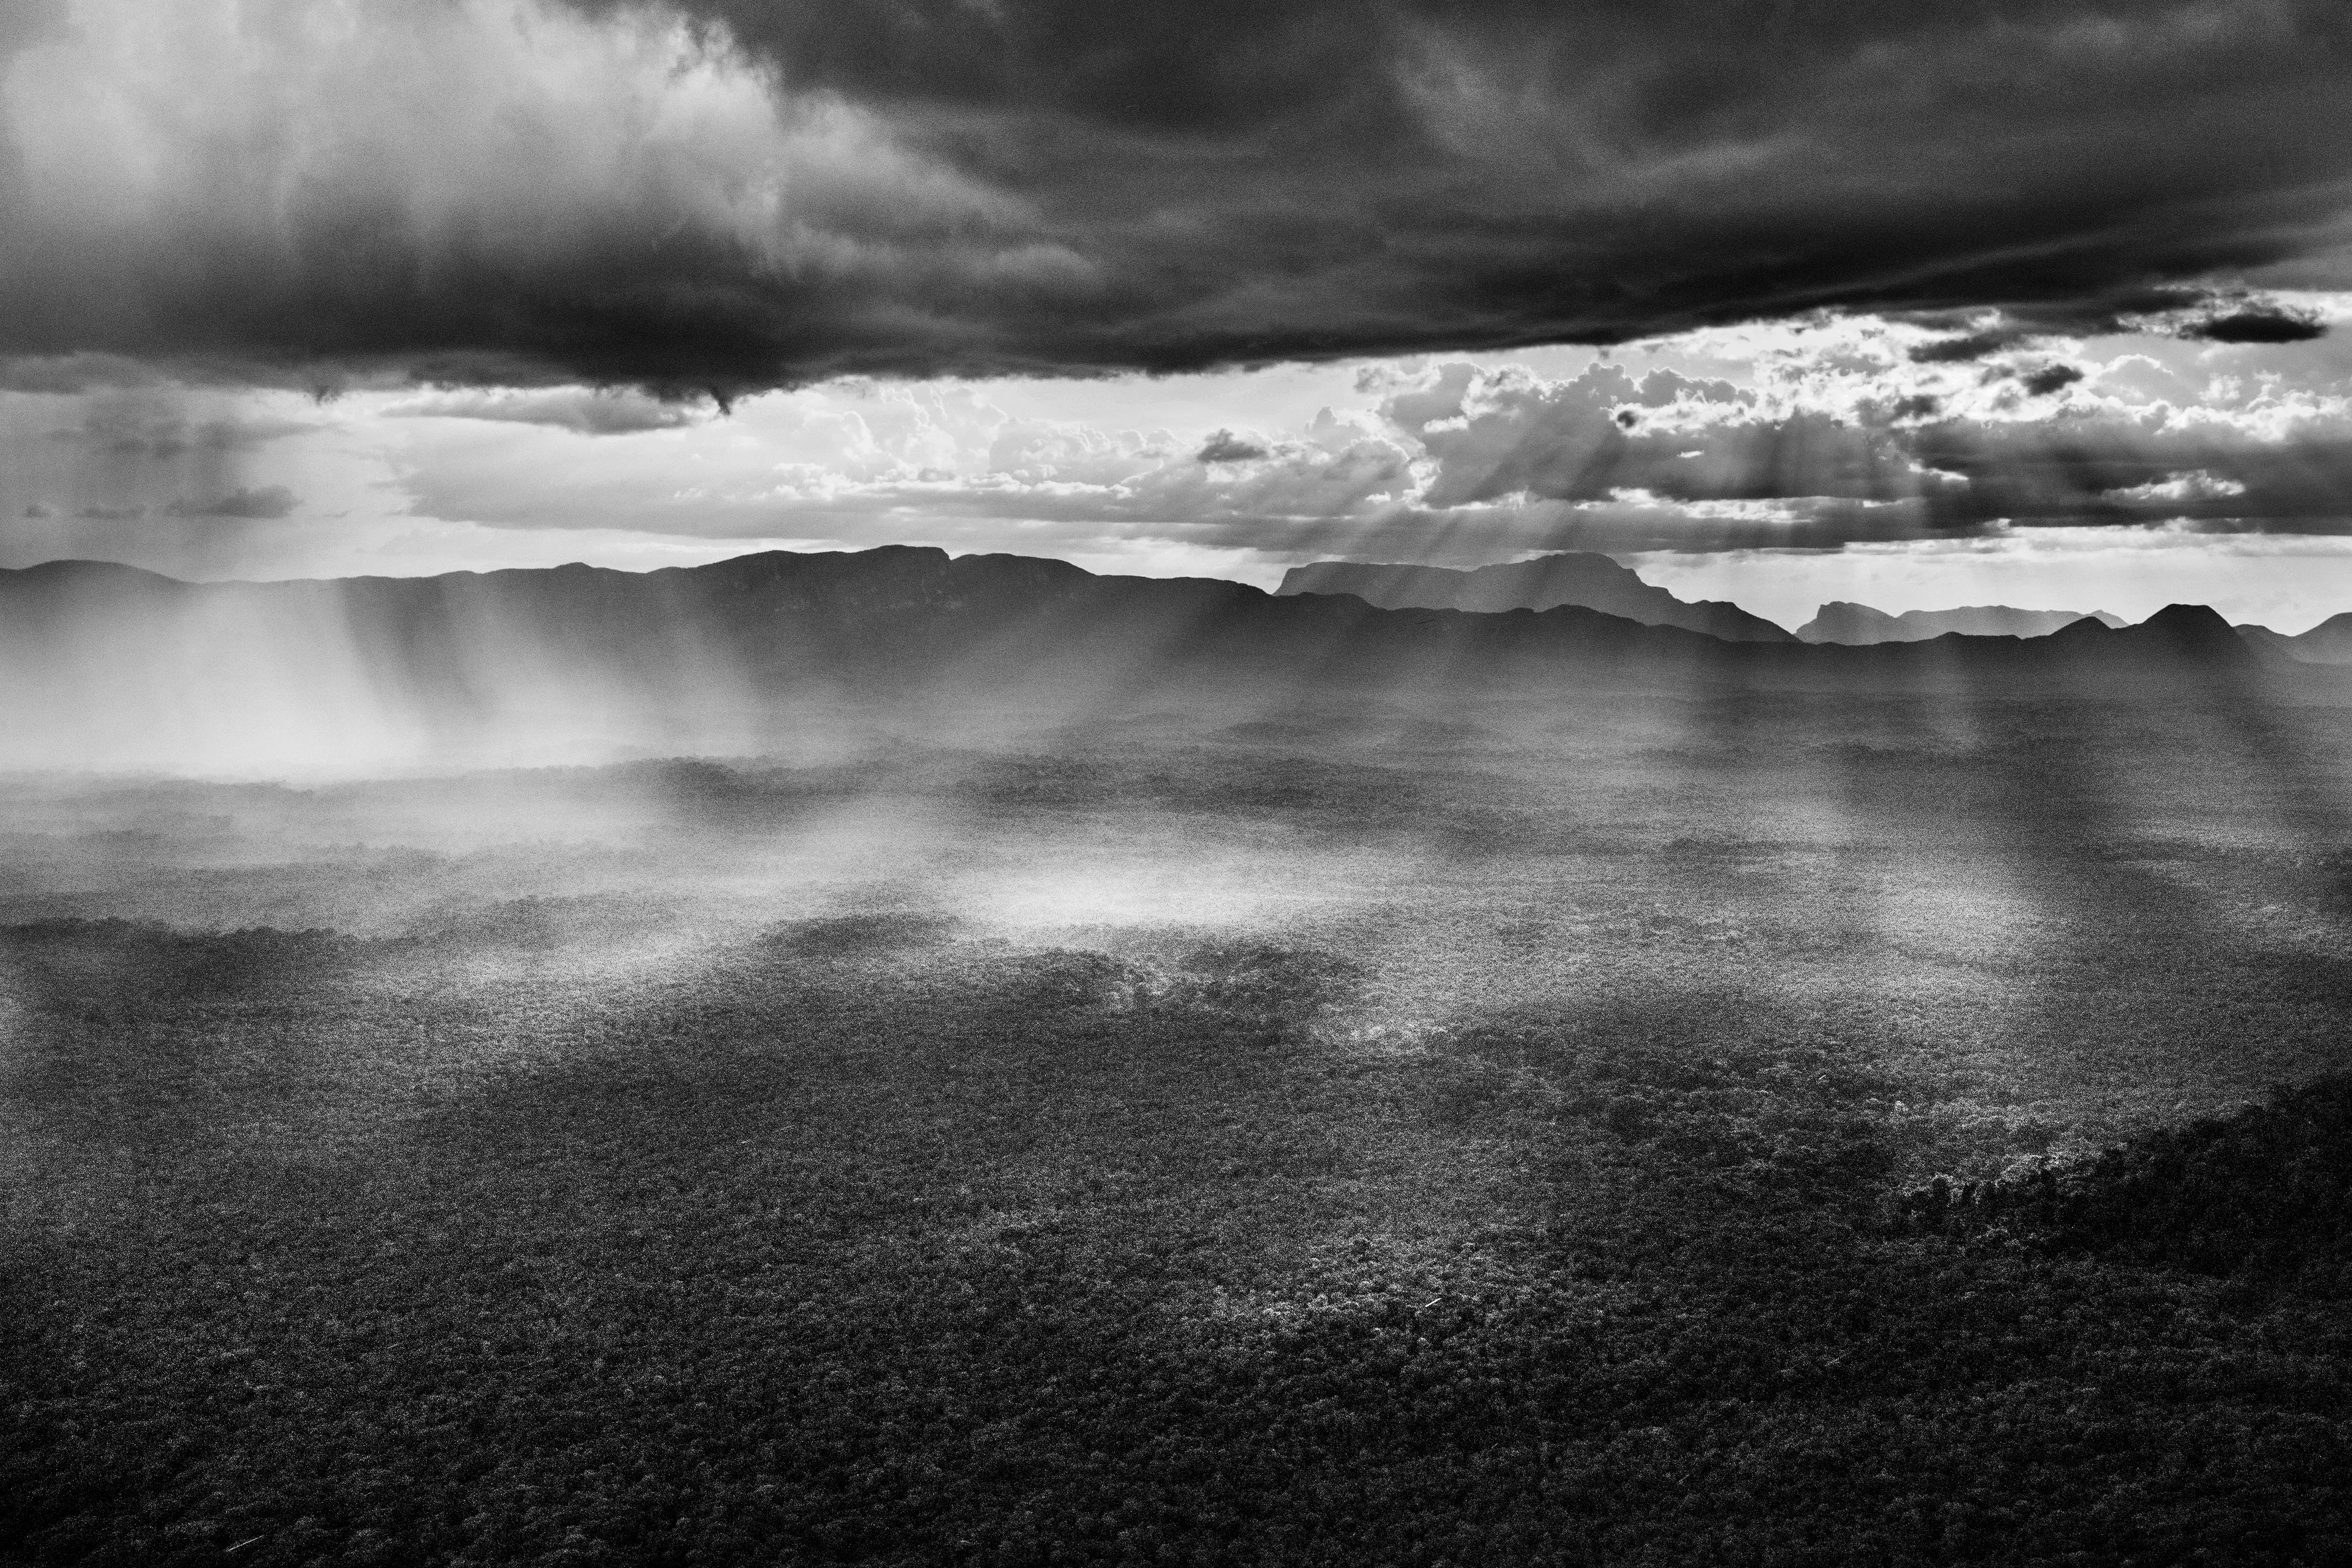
(1061, 186)
(2211, 315)
(1963, 349)
(1225, 447)
(2260, 323)
(2049, 378)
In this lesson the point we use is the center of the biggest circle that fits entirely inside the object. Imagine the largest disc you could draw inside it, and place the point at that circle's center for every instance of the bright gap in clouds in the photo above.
(1777, 465)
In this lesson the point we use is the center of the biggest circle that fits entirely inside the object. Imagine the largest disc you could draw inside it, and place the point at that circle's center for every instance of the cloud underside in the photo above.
(728, 196)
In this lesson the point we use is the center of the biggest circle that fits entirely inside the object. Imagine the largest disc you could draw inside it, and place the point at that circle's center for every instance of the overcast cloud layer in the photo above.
(733, 196)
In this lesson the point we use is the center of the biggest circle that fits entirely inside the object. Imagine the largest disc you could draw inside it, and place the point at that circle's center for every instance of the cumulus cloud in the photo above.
(1854, 452)
(726, 196)
(1603, 434)
(2175, 489)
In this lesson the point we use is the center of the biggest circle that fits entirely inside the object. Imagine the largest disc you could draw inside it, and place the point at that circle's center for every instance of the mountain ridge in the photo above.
(135, 669)
(2329, 642)
(900, 579)
(1582, 578)
(1857, 625)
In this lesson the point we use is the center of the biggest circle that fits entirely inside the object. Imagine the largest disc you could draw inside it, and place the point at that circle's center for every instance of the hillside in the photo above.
(109, 666)
(1841, 621)
(1572, 577)
(2329, 642)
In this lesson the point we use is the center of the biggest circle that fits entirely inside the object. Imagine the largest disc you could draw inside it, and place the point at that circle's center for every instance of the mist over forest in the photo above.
(886, 1057)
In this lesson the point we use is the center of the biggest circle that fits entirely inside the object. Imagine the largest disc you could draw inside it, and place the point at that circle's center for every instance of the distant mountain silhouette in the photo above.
(1571, 577)
(2329, 642)
(104, 665)
(1857, 625)
(2187, 631)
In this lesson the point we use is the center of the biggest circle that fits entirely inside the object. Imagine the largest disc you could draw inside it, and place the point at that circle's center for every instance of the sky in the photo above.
(2029, 301)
